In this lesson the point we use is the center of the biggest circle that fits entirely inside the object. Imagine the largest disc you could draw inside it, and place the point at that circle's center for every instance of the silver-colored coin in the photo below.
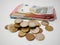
(40, 36)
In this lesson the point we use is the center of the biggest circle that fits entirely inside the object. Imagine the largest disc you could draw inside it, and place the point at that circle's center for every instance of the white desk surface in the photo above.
(8, 38)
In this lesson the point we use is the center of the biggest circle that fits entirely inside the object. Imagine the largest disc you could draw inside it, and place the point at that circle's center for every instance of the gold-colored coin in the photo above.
(45, 22)
(12, 28)
(17, 25)
(25, 29)
(49, 28)
(21, 34)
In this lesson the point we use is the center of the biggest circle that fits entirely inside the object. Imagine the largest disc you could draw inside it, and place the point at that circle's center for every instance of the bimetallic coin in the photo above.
(35, 30)
(32, 24)
(24, 24)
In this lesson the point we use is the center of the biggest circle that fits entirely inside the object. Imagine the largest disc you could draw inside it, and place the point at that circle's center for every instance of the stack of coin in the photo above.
(21, 34)
(12, 28)
(17, 22)
(47, 26)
